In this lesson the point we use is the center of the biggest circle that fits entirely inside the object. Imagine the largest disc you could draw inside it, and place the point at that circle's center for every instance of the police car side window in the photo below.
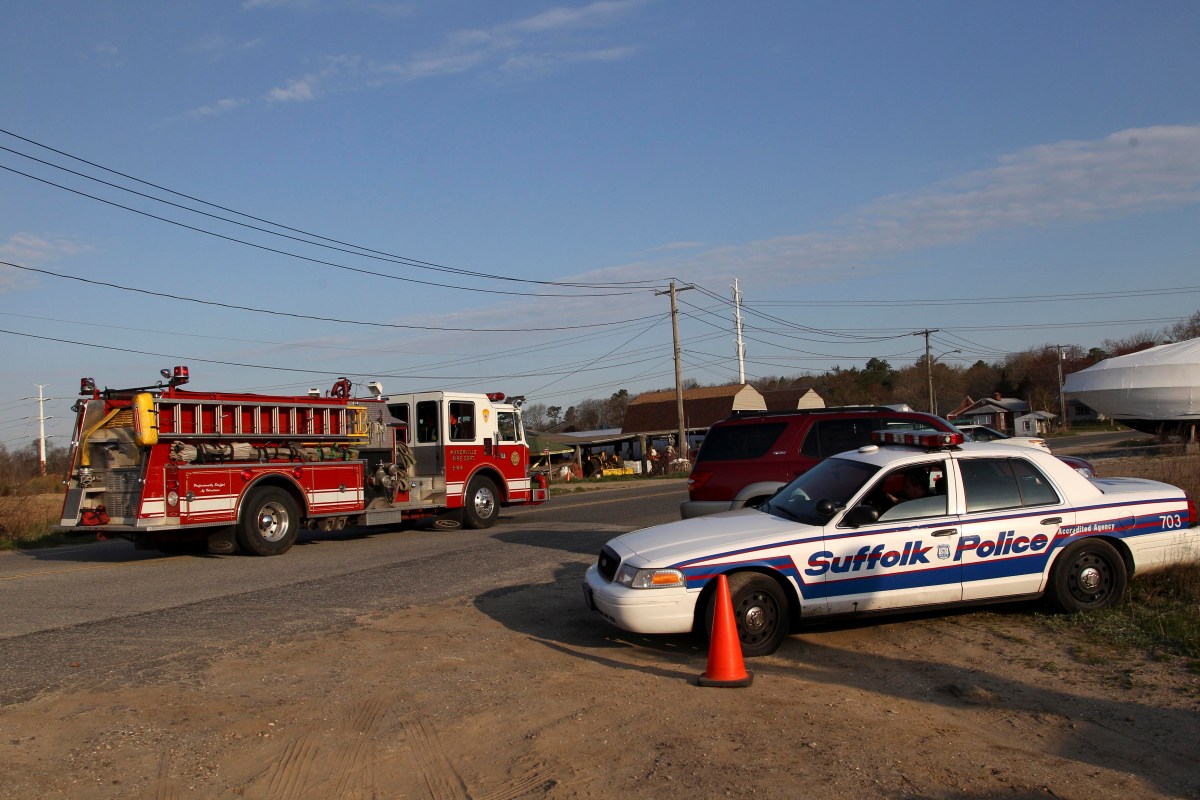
(911, 493)
(994, 483)
(1035, 489)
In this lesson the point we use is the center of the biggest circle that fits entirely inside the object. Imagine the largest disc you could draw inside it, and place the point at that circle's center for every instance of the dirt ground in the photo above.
(523, 693)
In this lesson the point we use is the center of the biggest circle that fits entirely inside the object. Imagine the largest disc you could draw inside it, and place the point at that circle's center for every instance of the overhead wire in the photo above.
(323, 241)
(293, 315)
(311, 259)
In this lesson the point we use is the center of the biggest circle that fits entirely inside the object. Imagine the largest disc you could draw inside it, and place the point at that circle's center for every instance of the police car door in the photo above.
(1011, 515)
(904, 559)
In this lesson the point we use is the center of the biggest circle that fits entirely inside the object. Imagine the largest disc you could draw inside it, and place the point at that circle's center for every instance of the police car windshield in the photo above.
(834, 479)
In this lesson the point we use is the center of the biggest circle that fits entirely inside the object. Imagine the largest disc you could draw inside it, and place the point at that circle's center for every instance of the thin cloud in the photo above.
(296, 91)
(335, 72)
(536, 44)
(216, 109)
(1128, 173)
(556, 19)
(218, 45)
(26, 248)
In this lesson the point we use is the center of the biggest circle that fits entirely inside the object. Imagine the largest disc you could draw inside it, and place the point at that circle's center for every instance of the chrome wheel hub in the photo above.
(1089, 579)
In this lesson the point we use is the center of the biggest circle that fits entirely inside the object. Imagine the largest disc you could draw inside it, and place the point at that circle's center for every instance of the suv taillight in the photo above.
(696, 482)
(1193, 518)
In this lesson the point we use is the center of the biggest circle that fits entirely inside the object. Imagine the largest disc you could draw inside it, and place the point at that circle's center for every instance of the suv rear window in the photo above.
(828, 437)
(736, 442)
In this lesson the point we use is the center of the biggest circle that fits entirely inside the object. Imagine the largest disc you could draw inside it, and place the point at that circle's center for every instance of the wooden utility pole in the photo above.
(928, 366)
(681, 446)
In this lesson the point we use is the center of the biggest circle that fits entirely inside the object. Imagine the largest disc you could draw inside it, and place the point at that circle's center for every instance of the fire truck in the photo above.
(175, 469)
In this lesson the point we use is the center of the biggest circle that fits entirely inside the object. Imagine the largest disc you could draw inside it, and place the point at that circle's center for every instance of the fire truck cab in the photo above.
(460, 452)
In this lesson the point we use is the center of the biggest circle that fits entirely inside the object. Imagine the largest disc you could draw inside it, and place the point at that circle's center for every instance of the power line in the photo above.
(310, 259)
(315, 318)
(324, 241)
(178, 359)
(959, 301)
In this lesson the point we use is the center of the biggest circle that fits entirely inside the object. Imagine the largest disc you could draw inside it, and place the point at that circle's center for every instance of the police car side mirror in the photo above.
(827, 508)
(861, 515)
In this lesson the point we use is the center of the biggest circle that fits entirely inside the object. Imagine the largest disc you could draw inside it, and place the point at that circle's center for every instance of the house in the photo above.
(995, 412)
(1035, 423)
(655, 415)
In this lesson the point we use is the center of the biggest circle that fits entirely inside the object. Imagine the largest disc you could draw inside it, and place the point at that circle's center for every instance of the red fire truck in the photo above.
(172, 469)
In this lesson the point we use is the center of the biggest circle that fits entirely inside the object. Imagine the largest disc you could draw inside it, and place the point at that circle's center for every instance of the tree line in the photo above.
(20, 465)
(1031, 375)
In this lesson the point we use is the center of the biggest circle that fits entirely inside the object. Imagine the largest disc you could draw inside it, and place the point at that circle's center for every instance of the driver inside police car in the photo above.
(916, 485)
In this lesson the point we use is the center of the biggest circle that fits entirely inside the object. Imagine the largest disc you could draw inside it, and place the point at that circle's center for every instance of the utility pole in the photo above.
(41, 428)
(737, 314)
(928, 365)
(1062, 398)
(681, 442)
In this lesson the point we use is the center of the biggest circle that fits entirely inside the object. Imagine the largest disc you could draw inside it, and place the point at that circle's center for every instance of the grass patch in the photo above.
(1160, 616)
(26, 520)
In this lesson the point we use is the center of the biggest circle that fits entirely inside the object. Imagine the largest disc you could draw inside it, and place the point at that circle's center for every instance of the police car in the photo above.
(917, 519)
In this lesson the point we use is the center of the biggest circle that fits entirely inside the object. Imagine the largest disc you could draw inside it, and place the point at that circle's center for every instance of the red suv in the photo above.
(746, 458)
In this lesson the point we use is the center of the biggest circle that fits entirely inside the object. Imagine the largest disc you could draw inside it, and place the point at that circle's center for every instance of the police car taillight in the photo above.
(930, 440)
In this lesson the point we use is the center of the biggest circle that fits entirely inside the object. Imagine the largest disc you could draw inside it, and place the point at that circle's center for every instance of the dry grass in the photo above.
(26, 519)
(1161, 612)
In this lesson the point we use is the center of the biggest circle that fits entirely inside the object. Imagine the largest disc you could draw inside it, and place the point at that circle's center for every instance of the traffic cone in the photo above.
(725, 665)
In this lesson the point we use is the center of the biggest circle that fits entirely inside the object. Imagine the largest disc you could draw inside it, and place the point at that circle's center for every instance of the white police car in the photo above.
(918, 519)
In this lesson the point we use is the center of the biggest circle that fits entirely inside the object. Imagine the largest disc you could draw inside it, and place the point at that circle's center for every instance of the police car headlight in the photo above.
(636, 578)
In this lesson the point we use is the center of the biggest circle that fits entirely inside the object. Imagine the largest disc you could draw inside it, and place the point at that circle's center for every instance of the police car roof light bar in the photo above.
(930, 440)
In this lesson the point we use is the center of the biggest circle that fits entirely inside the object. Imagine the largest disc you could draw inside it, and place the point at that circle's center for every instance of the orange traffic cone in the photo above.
(725, 665)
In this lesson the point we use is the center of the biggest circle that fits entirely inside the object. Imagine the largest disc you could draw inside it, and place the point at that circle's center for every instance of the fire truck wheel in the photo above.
(269, 523)
(481, 505)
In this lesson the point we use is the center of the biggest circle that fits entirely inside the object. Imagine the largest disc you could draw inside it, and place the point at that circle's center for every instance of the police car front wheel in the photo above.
(760, 610)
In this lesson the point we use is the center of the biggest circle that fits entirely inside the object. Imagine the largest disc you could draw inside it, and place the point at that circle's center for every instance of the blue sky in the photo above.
(510, 186)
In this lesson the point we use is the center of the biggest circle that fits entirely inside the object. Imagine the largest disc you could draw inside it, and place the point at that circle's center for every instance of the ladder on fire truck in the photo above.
(259, 419)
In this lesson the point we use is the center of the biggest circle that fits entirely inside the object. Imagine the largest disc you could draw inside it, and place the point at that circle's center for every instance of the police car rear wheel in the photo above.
(1088, 576)
(760, 611)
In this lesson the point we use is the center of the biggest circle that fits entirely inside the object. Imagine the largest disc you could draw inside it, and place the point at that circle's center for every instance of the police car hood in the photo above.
(664, 545)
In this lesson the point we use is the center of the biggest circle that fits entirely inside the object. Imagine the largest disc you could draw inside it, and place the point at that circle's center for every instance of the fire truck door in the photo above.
(428, 445)
(511, 452)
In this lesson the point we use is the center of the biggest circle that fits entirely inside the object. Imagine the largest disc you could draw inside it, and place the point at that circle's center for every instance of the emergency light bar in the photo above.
(931, 440)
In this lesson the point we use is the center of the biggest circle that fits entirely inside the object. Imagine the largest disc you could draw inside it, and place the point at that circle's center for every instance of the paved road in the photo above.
(105, 610)
(1084, 443)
